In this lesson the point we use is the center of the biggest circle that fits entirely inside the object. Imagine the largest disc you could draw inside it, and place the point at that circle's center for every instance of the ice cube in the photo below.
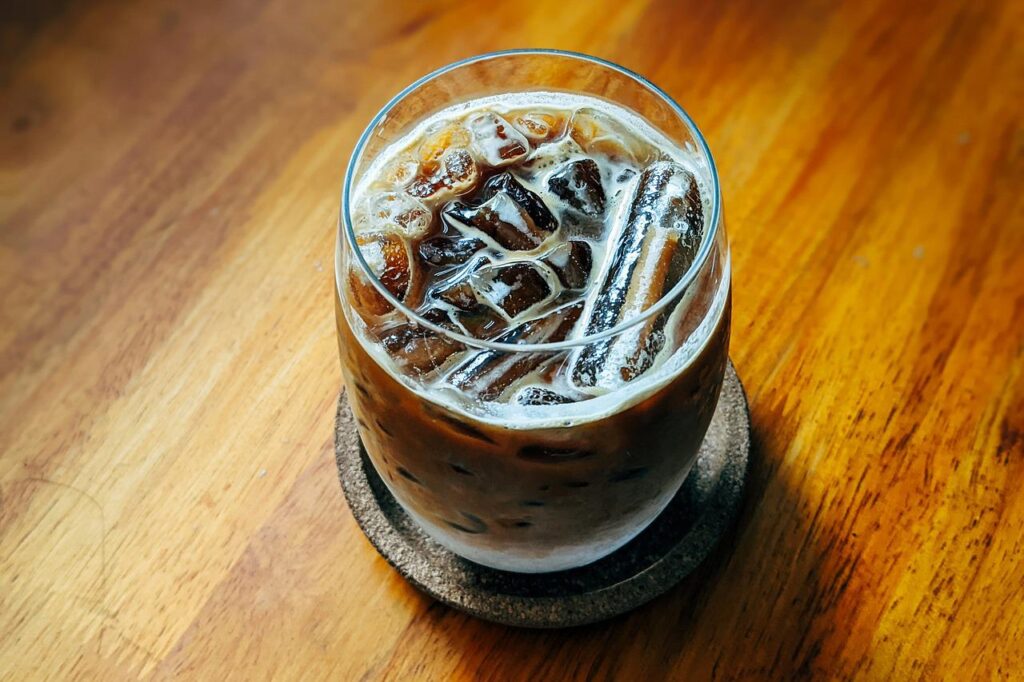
(472, 312)
(443, 251)
(416, 349)
(397, 209)
(539, 127)
(571, 261)
(535, 395)
(496, 142)
(515, 287)
(398, 173)
(481, 322)
(440, 138)
(550, 155)
(506, 183)
(578, 184)
(487, 374)
(455, 174)
(458, 294)
(387, 255)
(649, 253)
(598, 133)
(499, 218)
(511, 215)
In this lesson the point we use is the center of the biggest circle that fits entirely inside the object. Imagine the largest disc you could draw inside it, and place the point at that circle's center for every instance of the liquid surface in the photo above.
(530, 218)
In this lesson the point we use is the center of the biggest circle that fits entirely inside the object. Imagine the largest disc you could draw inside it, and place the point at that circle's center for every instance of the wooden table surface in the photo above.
(169, 181)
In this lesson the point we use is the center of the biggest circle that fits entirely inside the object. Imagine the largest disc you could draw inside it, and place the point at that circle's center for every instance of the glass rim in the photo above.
(347, 231)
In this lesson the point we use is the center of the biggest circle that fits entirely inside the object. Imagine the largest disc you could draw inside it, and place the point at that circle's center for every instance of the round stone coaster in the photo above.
(665, 552)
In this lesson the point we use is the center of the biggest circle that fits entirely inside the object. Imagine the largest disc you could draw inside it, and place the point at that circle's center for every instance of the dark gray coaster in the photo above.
(669, 549)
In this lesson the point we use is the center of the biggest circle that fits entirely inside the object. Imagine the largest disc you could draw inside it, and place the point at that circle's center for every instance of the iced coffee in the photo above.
(533, 315)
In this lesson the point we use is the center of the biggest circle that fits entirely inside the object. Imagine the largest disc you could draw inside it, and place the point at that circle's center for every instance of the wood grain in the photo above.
(169, 178)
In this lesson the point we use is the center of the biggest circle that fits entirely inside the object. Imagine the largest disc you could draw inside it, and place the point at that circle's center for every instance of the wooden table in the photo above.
(168, 369)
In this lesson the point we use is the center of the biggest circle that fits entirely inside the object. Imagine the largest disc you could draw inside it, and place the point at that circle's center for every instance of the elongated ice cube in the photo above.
(488, 374)
(511, 215)
(495, 141)
(571, 261)
(387, 255)
(650, 252)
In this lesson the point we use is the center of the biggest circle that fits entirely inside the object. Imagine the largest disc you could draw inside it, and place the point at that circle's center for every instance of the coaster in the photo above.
(662, 555)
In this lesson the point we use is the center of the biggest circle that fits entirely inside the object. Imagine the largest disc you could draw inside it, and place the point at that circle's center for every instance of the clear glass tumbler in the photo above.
(548, 489)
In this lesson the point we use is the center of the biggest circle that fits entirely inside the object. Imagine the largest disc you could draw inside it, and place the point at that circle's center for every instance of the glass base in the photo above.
(656, 559)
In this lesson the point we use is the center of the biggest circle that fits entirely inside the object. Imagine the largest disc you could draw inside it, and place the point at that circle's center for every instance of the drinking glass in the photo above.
(542, 489)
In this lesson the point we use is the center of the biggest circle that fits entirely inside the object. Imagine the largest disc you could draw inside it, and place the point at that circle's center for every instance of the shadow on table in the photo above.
(756, 605)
